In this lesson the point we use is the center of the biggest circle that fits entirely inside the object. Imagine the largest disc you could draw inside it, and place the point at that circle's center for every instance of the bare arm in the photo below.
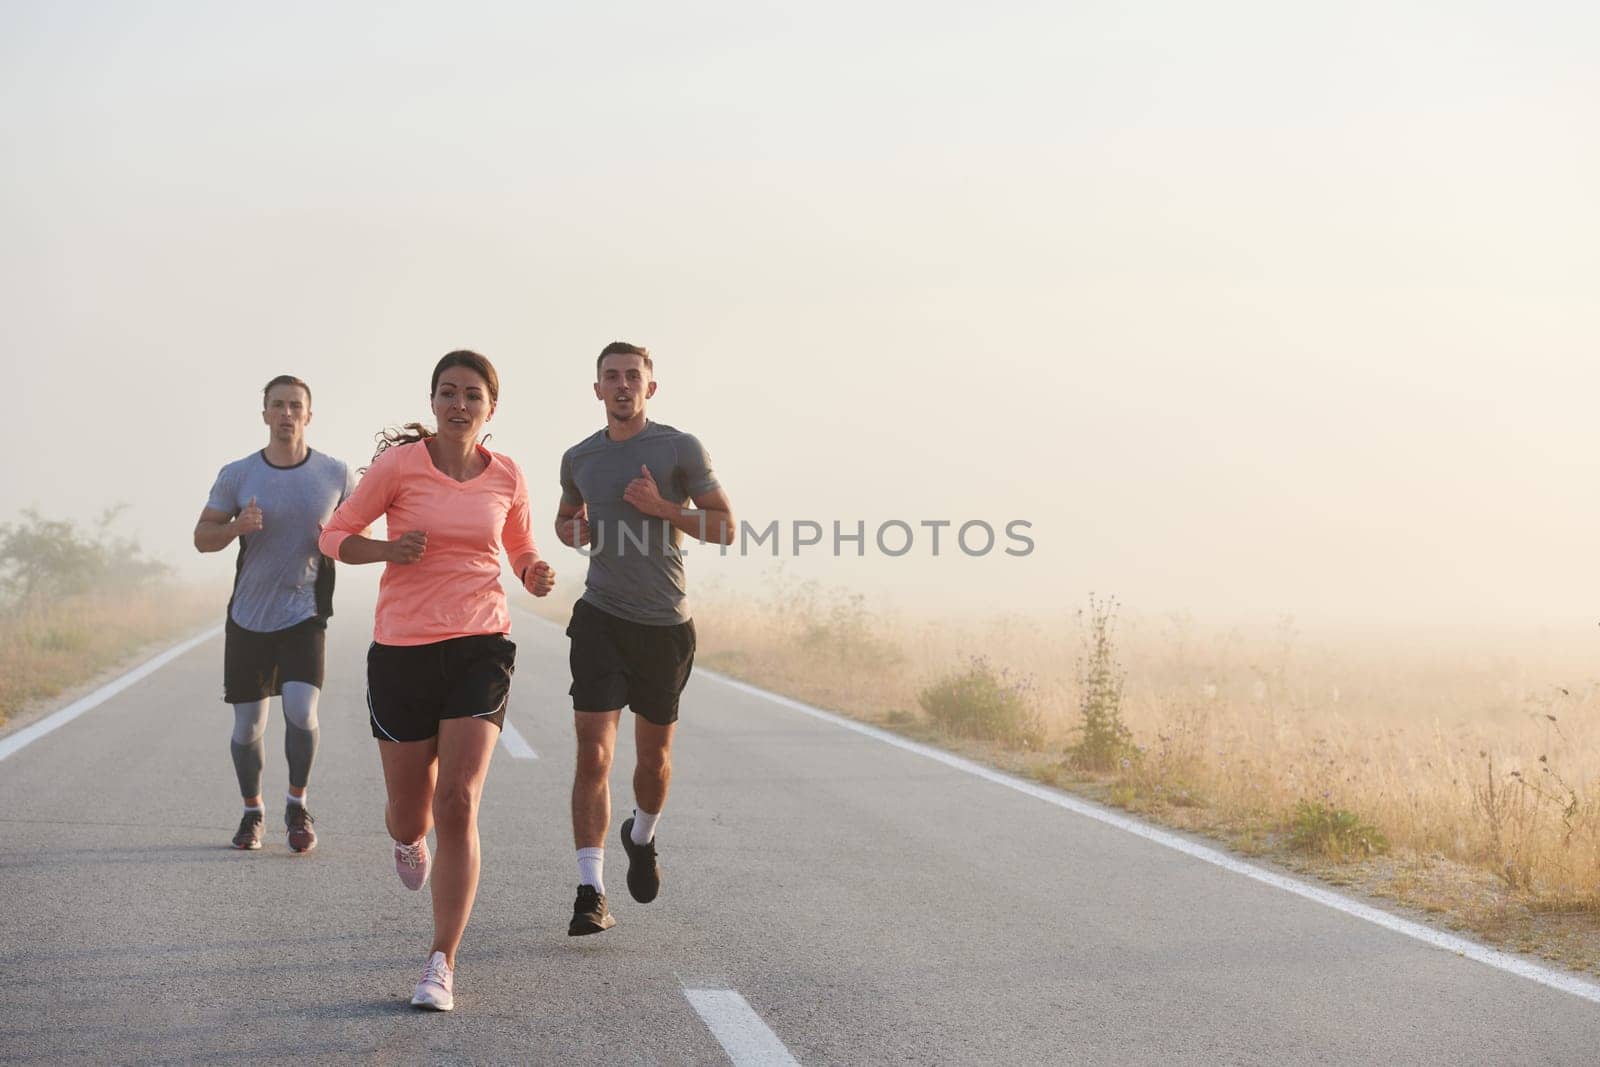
(217, 529)
(572, 524)
(710, 520)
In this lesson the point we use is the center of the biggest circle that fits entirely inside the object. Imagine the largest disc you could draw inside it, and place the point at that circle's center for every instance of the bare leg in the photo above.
(653, 773)
(465, 747)
(409, 771)
(591, 789)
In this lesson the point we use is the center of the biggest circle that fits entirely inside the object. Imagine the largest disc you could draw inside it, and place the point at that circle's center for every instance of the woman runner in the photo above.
(439, 670)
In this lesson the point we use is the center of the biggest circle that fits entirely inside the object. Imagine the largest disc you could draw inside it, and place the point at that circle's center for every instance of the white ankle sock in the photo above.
(644, 826)
(297, 800)
(590, 863)
(255, 807)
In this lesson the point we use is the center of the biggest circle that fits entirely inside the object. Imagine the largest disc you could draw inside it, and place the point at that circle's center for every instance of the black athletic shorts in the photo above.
(617, 663)
(411, 688)
(255, 665)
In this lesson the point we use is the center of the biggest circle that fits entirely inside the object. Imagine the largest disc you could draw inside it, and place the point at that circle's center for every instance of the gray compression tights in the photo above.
(299, 737)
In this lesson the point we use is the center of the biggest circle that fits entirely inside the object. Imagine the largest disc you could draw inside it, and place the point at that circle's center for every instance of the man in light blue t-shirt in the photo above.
(274, 502)
(625, 494)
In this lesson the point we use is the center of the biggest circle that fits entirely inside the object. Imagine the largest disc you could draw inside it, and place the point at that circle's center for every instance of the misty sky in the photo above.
(1250, 308)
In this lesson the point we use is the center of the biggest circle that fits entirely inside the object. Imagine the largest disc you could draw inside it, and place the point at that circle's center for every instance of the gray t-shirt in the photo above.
(635, 564)
(281, 578)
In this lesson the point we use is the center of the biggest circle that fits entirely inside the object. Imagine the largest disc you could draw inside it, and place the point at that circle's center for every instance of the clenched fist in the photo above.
(249, 519)
(574, 531)
(409, 548)
(539, 579)
(644, 494)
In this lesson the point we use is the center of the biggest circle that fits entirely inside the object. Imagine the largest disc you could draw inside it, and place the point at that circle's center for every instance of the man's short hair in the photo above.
(284, 379)
(623, 348)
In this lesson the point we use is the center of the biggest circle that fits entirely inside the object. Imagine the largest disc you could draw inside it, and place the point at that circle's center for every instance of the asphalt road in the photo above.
(828, 897)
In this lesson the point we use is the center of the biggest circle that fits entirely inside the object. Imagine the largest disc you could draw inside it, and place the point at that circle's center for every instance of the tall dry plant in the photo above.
(1104, 740)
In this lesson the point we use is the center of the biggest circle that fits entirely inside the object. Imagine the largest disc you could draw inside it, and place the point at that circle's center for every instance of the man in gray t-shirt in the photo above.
(635, 562)
(625, 493)
(274, 502)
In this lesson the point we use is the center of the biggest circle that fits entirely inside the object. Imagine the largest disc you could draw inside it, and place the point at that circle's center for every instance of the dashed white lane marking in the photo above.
(516, 744)
(738, 1029)
(1378, 917)
(30, 734)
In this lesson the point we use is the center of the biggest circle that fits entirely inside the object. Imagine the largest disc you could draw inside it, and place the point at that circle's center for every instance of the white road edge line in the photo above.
(26, 736)
(738, 1029)
(515, 743)
(1461, 946)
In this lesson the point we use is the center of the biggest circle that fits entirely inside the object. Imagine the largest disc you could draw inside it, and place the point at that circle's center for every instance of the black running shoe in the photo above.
(302, 838)
(644, 873)
(249, 836)
(589, 914)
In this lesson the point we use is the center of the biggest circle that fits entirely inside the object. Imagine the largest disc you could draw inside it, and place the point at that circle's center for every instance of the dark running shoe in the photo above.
(249, 836)
(302, 838)
(589, 914)
(644, 873)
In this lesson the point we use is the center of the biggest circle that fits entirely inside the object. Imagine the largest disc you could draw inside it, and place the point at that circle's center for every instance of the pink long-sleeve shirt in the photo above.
(454, 589)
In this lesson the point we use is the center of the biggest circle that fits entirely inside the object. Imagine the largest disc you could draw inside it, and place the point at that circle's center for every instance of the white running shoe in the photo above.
(434, 991)
(412, 862)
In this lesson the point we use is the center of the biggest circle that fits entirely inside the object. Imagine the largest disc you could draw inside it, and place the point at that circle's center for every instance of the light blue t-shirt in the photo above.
(281, 578)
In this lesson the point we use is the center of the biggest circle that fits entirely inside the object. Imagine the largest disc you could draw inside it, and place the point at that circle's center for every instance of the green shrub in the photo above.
(44, 558)
(984, 704)
(1334, 832)
(1104, 742)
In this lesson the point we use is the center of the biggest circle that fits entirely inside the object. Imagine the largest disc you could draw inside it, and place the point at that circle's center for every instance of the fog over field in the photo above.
(1246, 309)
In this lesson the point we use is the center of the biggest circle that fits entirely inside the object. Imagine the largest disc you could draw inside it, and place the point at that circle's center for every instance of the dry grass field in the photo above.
(1455, 772)
(79, 598)
(48, 647)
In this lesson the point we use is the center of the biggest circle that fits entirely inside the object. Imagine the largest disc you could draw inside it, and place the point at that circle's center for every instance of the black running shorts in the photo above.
(617, 663)
(411, 688)
(255, 665)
